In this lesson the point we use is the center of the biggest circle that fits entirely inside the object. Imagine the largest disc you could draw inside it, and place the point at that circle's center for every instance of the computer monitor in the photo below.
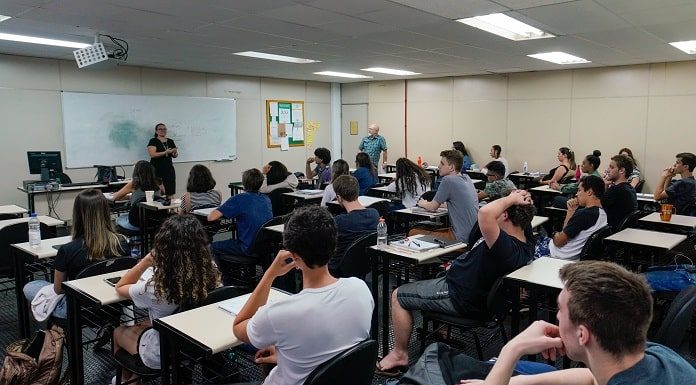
(46, 163)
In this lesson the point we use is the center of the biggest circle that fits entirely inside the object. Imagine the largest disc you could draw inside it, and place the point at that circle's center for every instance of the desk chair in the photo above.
(629, 220)
(497, 308)
(17, 233)
(594, 248)
(355, 365)
(280, 203)
(134, 364)
(356, 261)
(639, 186)
(678, 318)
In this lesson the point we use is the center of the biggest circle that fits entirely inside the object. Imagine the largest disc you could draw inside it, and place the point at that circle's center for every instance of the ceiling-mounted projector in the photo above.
(98, 56)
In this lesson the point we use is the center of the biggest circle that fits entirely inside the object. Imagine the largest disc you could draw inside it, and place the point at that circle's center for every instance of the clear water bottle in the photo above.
(525, 168)
(381, 233)
(34, 231)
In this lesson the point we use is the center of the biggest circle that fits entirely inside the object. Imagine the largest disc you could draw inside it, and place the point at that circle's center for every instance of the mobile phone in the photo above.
(112, 281)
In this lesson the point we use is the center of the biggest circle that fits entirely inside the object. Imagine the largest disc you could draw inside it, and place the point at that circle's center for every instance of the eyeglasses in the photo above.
(491, 175)
(161, 129)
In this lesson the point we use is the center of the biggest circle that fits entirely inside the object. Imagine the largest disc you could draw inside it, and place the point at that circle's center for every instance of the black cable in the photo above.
(120, 53)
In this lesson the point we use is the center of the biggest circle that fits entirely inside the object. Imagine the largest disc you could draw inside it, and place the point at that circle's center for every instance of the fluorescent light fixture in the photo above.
(505, 26)
(559, 58)
(390, 71)
(270, 56)
(41, 40)
(342, 75)
(3, 18)
(686, 46)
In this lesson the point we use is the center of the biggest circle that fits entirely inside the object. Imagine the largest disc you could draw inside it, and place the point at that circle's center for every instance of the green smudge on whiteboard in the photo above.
(124, 134)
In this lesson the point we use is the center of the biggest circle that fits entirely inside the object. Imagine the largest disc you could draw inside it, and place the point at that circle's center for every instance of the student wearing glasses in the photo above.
(162, 150)
(497, 185)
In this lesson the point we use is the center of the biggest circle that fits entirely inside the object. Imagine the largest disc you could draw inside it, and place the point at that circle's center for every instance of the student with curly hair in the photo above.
(366, 173)
(179, 271)
(410, 183)
(322, 158)
(200, 190)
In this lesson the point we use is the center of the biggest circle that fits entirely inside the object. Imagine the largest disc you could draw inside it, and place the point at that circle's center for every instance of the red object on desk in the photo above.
(577, 173)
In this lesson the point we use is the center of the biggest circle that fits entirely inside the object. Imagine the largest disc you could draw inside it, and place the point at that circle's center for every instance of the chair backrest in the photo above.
(429, 195)
(64, 178)
(281, 204)
(107, 266)
(629, 220)
(678, 319)
(593, 248)
(639, 186)
(474, 235)
(260, 247)
(355, 365)
(355, 262)
(497, 300)
(382, 208)
(16, 233)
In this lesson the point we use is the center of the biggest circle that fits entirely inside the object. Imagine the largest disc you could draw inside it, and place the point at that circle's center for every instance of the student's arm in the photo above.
(488, 215)
(574, 376)
(260, 295)
(214, 215)
(432, 205)
(133, 275)
(125, 190)
(308, 169)
(662, 185)
(557, 175)
(482, 195)
(58, 278)
(634, 182)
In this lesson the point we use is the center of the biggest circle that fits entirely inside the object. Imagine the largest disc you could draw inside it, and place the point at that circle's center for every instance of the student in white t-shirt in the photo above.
(179, 271)
(327, 317)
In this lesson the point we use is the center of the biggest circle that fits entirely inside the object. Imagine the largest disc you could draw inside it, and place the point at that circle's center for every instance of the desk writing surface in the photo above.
(441, 212)
(389, 175)
(421, 257)
(277, 228)
(45, 249)
(645, 197)
(317, 195)
(647, 238)
(544, 189)
(96, 288)
(677, 220)
(542, 271)
(474, 181)
(365, 200)
(210, 325)
(12, 209)
(538, 221)
(160, 206)
(45, 219)
(384, 189)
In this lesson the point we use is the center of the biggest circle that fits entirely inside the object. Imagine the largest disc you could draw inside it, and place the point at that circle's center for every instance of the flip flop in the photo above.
(396, 371)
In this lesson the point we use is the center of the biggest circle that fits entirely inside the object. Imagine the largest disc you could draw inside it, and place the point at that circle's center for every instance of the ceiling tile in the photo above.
(574, 17)
(401, 16)
(276, 27)
(523, 4)
(302, 14)
(455, 9)
(352, 7)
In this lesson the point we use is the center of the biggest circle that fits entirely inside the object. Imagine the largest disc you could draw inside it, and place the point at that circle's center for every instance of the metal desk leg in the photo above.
(515, 314)
(165, 361)
(385, 303)
(20, 281)
(374, 261)
(77, 374)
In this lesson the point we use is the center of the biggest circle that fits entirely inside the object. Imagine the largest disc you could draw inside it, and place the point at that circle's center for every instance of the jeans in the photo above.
(122, 221)
(32, 288)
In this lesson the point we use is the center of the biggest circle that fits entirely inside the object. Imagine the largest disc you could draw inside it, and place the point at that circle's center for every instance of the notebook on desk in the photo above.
(415, 244)
(309, 191)
(234, 305)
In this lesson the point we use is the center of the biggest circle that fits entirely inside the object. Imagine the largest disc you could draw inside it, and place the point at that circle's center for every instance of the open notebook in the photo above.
(424, 243)
(234, 305)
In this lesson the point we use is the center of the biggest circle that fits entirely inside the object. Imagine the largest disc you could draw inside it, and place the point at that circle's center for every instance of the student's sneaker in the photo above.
(113, 381)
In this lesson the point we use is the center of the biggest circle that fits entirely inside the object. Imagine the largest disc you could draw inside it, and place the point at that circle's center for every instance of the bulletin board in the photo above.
(284, 118)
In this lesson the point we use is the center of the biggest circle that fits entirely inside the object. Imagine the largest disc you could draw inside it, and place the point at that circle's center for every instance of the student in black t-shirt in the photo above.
(357, 221)
(619, 199)
(682, 192)
(504, 248)
(93, 239)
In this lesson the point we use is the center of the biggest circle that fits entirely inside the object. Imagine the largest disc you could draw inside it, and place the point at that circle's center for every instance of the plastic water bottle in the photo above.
(34, 231)
(381, 233)
(525, 168)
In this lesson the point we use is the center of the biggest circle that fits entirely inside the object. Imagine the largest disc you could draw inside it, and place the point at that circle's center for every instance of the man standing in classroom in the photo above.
(373, 144)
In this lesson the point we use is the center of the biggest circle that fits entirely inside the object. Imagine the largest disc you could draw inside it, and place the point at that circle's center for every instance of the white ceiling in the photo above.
(346, 35)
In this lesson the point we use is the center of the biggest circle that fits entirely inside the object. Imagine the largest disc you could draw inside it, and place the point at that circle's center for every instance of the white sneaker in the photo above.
(113, 381)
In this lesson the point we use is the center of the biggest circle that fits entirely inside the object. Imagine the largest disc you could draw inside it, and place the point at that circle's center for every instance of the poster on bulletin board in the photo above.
(284, 119)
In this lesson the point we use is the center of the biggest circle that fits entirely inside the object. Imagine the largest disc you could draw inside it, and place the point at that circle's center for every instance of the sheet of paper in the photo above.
(274, 129)
(284, 143)
(273, 107)
(296, 115)
(297, 132)
(284, 115)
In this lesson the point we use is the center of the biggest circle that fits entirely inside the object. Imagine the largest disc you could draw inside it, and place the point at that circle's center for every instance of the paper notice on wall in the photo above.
(297, 131)
(274, 130)
(282, 130)
(296, 115)
(273, 109)
(284, 115)
(284, 143)
(311, 128)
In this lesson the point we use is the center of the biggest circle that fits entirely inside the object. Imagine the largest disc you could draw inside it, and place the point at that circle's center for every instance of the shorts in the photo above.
(429, 295)
(149, 348)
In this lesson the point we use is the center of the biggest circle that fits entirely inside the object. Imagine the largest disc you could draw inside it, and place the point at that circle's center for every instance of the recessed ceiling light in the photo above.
(390, 71)
(3, 18)
(686, 46)
(41, 40)
(505, 26)
(342, 75)
(559, 58)
(270, 56)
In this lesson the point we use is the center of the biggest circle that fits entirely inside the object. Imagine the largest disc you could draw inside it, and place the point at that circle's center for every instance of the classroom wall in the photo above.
(643, 107)
(32, 118)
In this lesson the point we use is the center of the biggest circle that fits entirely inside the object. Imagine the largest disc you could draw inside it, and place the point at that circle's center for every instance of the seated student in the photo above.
(584, 216)
(365, 172)
(619, 199)
(339, 167)
(614, 347)
(357, 221)
(328, 316)
(634, 177)
(682, 192)
(566, 168)
(179, 271)
(503, 249)
(251, 210)
(322, 157)
(495, 152)
(143, 180)
(458, 192)
(589, 166)
(497, 185)
(410, 183)
(277, 176)
(459, 146)
(93, 239)
(200, 190)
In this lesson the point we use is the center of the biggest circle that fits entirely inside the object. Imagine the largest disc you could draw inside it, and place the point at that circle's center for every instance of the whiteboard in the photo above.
(105, 129)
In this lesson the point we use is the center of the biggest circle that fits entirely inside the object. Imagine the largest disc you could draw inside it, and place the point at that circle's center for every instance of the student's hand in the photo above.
(280, 264)
(421, 202)
(266, 169)
(266, 356)
(520, 198)
(572, 204)
(555, 185)
(310, 159)
(540, 337)
(668, 172)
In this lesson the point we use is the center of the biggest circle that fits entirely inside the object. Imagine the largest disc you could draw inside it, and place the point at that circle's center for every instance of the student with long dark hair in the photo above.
(340, 167)
(366, 172)
(459, 146)
(143, 180)
(410, 183)
(277, 176)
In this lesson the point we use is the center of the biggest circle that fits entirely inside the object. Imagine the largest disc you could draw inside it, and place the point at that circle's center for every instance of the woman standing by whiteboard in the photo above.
(162, 150)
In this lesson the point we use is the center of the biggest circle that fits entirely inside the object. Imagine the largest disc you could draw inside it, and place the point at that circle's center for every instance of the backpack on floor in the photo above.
(34, 361)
